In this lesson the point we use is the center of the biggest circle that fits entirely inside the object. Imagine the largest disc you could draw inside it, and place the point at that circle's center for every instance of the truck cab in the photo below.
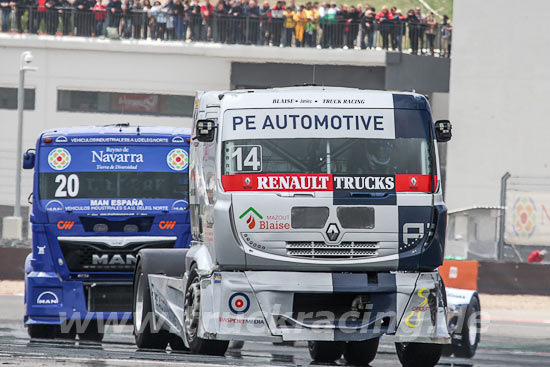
(100, 194)
(317, 214)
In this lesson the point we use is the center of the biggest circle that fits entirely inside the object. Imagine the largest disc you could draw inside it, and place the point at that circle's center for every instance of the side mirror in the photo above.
(28, 160)
(206, 130)
(443, 130)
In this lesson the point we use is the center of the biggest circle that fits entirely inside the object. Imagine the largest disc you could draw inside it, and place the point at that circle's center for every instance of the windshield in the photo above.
(113, 185)
(350, 156)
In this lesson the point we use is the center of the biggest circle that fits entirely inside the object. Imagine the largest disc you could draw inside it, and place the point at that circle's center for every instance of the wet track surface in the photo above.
(503, 344)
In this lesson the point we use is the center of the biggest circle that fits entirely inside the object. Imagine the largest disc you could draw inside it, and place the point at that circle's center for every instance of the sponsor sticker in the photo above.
(167, 224)
(239, 303)
(59, 159)
(177, 159)
(328, 182)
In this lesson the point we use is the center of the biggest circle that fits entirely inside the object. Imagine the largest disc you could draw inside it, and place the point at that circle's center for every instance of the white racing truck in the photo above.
(317, 215)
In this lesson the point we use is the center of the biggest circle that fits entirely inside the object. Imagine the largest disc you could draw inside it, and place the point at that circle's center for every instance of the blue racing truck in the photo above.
(100, 194)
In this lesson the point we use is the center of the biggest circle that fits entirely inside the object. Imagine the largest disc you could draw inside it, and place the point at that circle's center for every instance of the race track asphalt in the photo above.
(505, 342)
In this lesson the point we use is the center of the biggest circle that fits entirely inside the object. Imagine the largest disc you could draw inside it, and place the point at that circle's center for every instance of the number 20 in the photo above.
(67, 186)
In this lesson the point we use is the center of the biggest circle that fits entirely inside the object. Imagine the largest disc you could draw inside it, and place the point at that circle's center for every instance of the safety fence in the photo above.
(418, 38)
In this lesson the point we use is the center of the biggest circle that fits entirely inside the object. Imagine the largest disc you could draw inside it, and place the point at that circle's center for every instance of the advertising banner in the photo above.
(527, 218)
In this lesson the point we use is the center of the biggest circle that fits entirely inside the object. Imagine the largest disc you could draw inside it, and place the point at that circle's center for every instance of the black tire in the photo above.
(467, 347)
(65, 332)
(236, 344)
(447, 350)
(177, 344)
(361, 353)
(418, 354)
(145, 335)
(42, 331)
(326, 352)
(92, 333)
(196, 344)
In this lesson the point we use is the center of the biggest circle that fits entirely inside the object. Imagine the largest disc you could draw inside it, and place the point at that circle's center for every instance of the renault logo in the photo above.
(333, 232)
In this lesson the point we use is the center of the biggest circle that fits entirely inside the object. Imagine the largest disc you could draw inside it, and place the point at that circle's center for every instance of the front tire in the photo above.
(145, 335)
(192, 316)
(418, 354)
(92, 333)
(42, 331)
(326, 352)
(361, 353)
(470, 331)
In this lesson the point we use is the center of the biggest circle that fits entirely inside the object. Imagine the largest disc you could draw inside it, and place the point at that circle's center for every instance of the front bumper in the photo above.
(50, 300)
(288, 306)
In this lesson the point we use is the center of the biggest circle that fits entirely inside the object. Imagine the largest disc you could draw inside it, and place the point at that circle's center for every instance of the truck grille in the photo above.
(98, 257)
(322, 250)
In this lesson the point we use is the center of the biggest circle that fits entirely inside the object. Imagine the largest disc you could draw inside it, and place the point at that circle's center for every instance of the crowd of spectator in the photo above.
(284, 24)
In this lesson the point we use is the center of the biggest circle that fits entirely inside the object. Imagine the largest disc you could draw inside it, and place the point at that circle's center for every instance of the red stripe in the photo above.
(277, 182)
(413, 183)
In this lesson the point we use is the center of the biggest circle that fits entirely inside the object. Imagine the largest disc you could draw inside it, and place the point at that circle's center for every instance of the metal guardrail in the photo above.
(415, 38)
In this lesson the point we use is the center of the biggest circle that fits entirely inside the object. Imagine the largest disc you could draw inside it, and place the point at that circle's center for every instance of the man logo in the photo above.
(167, 224)
(47, 298)
(239, 303)
(66, 225)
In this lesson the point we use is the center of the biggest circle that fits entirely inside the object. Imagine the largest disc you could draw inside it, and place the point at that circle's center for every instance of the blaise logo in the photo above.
(251, 221)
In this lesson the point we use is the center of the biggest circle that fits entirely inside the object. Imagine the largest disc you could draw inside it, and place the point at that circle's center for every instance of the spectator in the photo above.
(159, 14)
(252, 11)
(236, 12)
(277, 19)
(385, 18)
(139, 16)
(114, 14)
(179, 13)
(312, 24)
(536, 256)
(221, 26)
(352, 22)
(265, 23)
(446, 37)
(147, 20)
(168, 9)
(21, 7)
(82, 17)
(399, 30)
(52, 16)
(421, 28)
(5, 7)
(368, 30)
(126, 17)
(99, 10)
(65, 10)
(431, 31)
(290, 25)
(414, 24)
(206, 10)
(300, 17)
(195, 20)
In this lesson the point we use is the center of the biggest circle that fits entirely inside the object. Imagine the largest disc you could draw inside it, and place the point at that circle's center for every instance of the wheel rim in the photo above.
(138, 317)
(472, 329)
(192, 309)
